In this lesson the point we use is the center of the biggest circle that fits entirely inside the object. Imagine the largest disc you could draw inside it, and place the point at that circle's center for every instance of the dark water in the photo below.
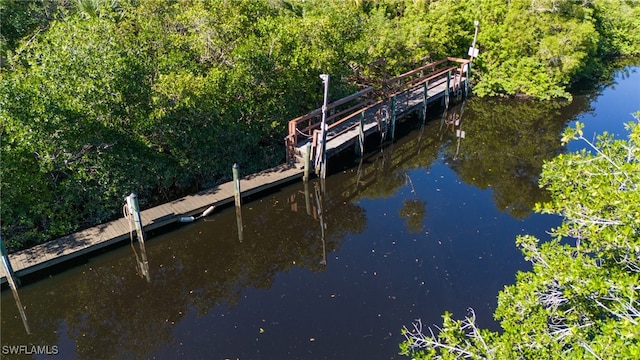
(334, 270)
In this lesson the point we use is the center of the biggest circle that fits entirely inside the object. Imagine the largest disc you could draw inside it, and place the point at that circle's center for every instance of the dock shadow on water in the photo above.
(330, 269)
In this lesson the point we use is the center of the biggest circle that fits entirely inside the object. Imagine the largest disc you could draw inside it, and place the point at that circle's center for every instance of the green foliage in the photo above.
(579, 301)
(104, 97)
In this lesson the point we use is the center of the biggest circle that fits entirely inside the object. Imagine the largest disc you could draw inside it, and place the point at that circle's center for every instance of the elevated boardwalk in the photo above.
(350, 121)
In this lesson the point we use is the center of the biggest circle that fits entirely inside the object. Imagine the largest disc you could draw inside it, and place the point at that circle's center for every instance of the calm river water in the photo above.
(334, 270)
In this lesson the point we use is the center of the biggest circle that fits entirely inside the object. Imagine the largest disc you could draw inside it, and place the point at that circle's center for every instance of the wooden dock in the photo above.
(372, 110)
(351, 120)
(83, 242)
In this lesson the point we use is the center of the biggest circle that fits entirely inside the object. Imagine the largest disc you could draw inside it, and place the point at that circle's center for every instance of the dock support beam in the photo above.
(236, 192)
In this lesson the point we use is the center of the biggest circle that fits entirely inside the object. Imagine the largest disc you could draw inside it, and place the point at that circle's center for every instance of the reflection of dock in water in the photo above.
(364, 114)
(384, 170)
(377, 167)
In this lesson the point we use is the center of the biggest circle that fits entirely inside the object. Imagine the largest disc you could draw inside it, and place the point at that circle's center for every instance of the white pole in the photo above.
(323, 163)
(475, 37)
(472, 52)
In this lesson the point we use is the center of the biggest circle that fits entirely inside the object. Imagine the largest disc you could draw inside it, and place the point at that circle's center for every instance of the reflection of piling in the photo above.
(12, 280)
(323, 226)
(360, 143)
(134, 211)
(307, 198)
(359, 174)
(236, 189)
(394, 108)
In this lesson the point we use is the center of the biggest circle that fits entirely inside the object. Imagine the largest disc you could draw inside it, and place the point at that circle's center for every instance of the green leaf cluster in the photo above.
(581, 298)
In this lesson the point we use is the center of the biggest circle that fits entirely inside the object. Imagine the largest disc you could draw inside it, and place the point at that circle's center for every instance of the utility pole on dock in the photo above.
(473, 52)
(323, 125)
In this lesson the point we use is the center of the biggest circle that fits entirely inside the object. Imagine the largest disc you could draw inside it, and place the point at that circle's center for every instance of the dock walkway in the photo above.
(80, 243)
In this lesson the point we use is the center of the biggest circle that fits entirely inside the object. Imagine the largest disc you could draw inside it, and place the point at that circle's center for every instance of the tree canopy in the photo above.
(101, 98)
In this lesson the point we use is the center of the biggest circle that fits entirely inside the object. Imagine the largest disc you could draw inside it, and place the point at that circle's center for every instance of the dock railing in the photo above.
(345, 112)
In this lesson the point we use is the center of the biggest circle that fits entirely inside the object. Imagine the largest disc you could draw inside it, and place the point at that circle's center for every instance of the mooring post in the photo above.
(425, 100)
(393, 117)
(134, 211)
(236, 184)
(307, 162)
(8, 269)
(361, 134)
(236, 191)
(447, 90)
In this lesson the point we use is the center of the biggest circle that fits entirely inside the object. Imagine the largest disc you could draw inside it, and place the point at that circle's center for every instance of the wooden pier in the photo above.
(371, 110)
(350, 121)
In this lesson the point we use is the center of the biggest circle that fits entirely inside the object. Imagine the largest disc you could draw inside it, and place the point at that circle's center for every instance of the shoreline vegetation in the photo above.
(580, 299)
(101, 98)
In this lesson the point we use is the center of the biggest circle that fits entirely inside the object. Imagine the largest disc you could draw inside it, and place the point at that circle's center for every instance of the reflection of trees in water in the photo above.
(506, 143)
(414, 210)
(381, 174)
(111, 312)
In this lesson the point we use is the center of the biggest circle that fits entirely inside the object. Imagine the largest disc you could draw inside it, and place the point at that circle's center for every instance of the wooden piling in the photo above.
(425, 97)
(11, 278)
(323, 163)
(447, 90)
(236, 185)
(307, 162)
(134, 211)
(361, 134)
(236, 191)
(8, 269)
